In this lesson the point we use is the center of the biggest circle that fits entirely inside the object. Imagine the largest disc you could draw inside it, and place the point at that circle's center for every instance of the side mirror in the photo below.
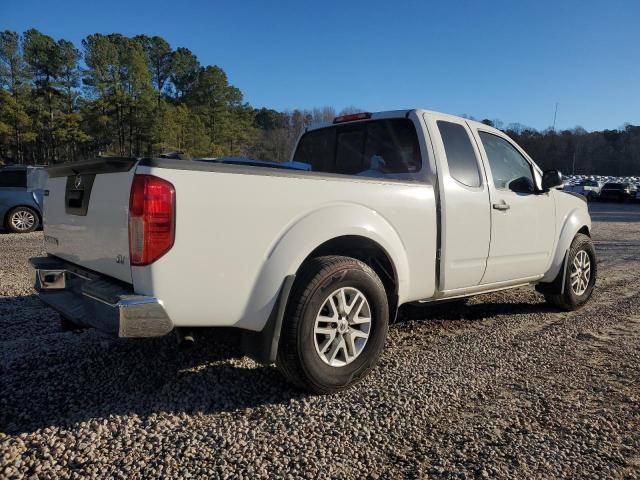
(521, 185)
(551, 178)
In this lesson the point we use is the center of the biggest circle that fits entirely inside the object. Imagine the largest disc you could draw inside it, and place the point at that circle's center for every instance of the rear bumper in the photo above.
(92, 300)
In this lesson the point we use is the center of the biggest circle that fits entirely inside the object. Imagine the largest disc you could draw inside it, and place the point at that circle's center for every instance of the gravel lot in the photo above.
(503, 388)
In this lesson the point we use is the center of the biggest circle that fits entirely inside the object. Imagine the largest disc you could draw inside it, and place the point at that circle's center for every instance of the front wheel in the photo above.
(335, 325)
(580, 275)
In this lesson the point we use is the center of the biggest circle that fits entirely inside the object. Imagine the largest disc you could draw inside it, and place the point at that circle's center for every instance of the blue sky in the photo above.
(511, 60)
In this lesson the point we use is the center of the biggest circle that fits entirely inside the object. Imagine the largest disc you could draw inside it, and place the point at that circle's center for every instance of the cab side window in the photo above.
(462, 161)
(510, 170)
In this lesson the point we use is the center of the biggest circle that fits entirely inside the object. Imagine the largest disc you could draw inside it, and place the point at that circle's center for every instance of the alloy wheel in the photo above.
(580, 273)
(342, 327)
(23, 220)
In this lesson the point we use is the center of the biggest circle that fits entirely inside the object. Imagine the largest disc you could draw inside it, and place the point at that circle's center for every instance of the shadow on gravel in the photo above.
(474, 312)
(60, 378)
(51, 378)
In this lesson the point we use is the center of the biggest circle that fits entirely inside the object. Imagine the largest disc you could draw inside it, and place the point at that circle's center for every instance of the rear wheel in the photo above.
(335, 325)
(22, 220)
(580, 276)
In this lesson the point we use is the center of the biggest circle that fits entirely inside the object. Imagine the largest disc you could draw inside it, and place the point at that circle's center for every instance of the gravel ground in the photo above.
(503, 388)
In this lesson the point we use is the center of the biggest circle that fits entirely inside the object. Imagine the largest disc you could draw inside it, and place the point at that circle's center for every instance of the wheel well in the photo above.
(585, 231)
(369, 252)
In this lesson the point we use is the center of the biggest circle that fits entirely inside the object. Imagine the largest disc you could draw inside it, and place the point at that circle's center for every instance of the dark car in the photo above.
(21, 194)
(619, 192)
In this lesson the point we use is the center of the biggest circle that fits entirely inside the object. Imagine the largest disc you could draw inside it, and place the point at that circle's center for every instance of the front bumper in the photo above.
(93, 300)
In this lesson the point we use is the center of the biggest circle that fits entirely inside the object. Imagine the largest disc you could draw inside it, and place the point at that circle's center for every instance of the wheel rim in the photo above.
(23, 220)
(342, 327)
(580, 272)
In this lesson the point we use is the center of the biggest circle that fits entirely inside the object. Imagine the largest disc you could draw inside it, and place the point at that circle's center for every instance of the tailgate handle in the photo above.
(77, 194)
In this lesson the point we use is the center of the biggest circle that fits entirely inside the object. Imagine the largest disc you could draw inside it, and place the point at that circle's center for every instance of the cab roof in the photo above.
(357, 117)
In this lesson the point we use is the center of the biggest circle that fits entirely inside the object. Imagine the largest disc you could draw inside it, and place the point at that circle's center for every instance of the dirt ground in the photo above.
(505, 387)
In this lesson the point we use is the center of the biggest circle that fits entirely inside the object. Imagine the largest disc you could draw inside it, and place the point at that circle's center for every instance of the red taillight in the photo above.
(351, 117)
(152, 219)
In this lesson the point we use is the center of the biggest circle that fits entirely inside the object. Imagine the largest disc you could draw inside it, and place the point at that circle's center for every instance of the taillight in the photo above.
(152, 219)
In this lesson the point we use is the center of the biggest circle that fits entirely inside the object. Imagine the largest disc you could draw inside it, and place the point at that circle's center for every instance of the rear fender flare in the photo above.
(303, 236)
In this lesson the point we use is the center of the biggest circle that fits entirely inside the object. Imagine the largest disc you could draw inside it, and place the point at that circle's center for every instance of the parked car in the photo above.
(615, 191)
(589, 188)
(21, 194)
(399, 207)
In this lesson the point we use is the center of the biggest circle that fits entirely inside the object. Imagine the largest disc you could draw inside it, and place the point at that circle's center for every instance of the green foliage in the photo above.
(159, 57)
(137, 96)
(12, 68)
(184, 71)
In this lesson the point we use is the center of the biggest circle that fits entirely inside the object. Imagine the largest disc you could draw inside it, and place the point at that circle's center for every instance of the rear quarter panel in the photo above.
(239, 235)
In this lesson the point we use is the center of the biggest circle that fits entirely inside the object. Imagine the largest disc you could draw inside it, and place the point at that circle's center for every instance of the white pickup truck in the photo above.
(312, 264)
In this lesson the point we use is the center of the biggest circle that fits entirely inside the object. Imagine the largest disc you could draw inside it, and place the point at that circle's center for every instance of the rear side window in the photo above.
(462, 161)
(376, 148)
(13, 178)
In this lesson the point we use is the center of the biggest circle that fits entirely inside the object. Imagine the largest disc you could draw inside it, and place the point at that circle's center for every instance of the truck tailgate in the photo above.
(86, 215)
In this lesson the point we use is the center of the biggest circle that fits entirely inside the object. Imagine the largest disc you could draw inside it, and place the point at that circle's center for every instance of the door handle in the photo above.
(501, 206)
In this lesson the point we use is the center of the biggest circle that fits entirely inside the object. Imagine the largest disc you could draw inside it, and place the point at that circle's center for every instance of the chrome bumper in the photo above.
(92, 300)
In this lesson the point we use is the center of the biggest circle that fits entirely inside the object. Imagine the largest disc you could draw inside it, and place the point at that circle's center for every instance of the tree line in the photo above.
(576, 151)
(137, 96)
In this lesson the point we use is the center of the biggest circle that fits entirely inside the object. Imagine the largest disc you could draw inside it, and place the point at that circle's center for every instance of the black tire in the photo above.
(15, 221)
(298, 358)
(569, 300)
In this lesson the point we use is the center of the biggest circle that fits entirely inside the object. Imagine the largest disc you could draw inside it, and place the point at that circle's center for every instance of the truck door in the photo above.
(465, 216)
(522, 218)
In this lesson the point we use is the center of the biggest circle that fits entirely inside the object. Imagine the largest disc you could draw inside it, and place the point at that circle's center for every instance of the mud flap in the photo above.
(557, 285)
(262, 346)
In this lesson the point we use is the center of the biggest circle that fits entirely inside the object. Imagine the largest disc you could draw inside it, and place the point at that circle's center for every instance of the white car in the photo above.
(589, 188)
(312, 264)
